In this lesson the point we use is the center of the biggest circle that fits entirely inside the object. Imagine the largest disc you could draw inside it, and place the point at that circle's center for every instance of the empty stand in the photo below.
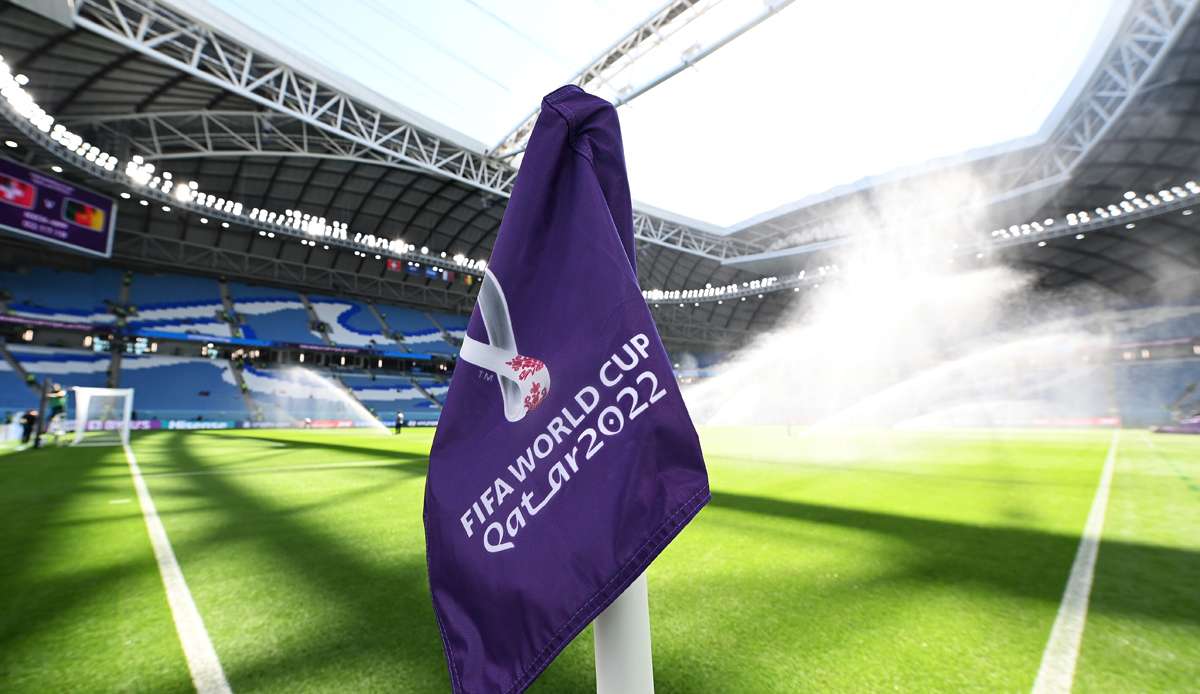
(182, 388)
(179, 304)
(351, 324)
(1146, 390)
(387, 394)
(272, 314)
(71, 297)
(14, 393)
(420, 335)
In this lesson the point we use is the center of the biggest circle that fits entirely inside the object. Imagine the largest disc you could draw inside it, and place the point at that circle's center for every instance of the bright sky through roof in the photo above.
(822, 94)
(826, 93)
(477, 66)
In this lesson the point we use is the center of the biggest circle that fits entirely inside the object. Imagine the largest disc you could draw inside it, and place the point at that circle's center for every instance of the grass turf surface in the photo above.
(919, 562)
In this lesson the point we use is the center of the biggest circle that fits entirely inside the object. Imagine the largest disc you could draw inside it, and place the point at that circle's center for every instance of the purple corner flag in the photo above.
(564, 459)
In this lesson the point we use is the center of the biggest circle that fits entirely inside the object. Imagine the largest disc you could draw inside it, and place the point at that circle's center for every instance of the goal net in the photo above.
(102, 416)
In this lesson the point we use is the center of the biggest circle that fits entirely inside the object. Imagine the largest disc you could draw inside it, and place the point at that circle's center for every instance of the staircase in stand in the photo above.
(314, 320)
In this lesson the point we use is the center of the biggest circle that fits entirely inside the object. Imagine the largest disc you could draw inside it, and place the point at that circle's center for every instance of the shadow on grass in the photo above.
(374, 621)
(36, 486)
(332, 445)
(1018, 561)
(899, 471)
(58, 587)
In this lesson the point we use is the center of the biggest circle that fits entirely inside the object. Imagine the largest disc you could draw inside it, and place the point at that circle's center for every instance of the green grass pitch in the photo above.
(826, 562)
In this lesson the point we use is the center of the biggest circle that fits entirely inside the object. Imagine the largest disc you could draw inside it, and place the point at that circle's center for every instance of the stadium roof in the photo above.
(217, 106)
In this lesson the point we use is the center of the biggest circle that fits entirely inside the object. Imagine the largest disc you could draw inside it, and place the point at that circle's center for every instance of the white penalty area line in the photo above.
(207, 674)
(1057, 672)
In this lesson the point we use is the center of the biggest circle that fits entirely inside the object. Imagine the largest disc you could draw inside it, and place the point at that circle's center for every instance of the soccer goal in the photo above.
(102, 416)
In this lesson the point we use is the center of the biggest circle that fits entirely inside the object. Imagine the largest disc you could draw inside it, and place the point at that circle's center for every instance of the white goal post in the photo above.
(112, 407)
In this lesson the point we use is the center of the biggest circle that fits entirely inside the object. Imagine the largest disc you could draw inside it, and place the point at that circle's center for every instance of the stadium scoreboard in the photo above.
(38, 206)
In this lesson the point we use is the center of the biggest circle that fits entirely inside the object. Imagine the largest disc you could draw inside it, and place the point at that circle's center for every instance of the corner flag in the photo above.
(564, 459)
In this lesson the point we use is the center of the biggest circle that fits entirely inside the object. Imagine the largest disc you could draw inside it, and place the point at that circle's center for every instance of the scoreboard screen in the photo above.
(38, 206)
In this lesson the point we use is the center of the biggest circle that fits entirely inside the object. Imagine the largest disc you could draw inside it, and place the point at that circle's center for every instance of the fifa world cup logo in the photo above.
(523, 380)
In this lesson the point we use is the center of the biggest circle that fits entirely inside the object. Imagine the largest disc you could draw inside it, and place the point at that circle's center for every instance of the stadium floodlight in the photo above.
(102, 416)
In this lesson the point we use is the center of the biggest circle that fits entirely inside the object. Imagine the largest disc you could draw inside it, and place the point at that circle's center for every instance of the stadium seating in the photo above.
(1162, 323)
(198, 388)
(1146, 390)
(437, 389)
(351, 324)
(272, 314)
(296, 393)
(70, 297)
(453, 324)
(420, 335)
(66, 367)
(177, 303)
(14, 394)
(385, 395)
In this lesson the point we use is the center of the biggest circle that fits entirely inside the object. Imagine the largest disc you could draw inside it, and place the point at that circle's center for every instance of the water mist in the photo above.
(914, 332)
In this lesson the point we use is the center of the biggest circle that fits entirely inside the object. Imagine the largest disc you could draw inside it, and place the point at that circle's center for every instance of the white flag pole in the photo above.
(622, 634)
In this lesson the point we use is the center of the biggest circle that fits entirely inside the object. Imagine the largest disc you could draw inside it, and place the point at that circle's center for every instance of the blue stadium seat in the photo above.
(435, 388)
(295, 393)
(178, 303)
(72, 297)
(66, 367)
(182, 388)
(351, 324)
(386, 394)
(419, 334)
(272, 314)
(454, 324)
(1146, 390)
(1167, 323)
(14, 394)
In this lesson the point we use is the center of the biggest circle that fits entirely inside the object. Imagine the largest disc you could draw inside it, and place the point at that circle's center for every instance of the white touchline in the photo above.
(1057, 673)
(207, 675)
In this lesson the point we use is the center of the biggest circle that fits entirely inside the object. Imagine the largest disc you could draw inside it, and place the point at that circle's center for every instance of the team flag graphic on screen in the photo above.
(564, 459)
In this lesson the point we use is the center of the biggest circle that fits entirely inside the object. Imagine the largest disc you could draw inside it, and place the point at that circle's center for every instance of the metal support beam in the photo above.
(159, 32)
(670, 18)
(317, 117)
(1144, 39)
(162, 137)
